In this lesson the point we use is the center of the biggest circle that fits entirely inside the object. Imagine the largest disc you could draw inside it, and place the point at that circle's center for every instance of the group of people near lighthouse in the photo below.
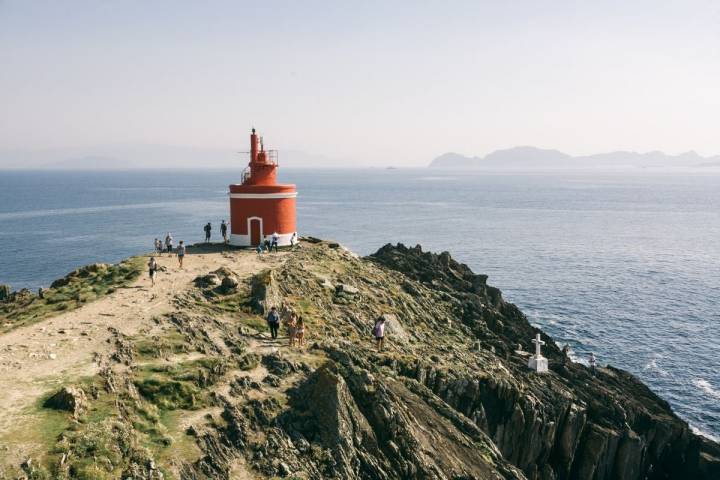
(168, 247)
(223, 231)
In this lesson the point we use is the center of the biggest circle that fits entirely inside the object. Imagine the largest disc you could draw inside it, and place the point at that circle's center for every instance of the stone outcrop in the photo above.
(70, 399)
(449, 398)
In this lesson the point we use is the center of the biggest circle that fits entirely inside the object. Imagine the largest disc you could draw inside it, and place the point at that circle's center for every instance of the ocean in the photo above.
(625, 266)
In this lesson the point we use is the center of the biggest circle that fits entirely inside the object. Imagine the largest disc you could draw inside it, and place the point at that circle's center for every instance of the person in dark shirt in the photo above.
(208, 229)
(223, 231)
(273, 320)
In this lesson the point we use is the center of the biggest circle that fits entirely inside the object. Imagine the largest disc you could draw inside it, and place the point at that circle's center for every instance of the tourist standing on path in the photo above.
(593, 363)
(300, 332)
(152, 270)
(181, 252)
(223, 231)
(208, 229)
(379, 333)
(293, 240)
(158, 247)
(292, 328)
(273, 320)
(275, 239)
(168, 243)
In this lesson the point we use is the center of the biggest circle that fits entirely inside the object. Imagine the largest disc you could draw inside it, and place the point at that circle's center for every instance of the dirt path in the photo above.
(39, 358)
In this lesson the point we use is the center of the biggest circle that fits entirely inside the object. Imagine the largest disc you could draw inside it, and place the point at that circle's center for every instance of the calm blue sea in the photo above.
(625, 266)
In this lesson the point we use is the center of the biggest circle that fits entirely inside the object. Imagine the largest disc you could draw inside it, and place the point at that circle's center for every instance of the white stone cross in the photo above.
(537, 362)
(538, 343)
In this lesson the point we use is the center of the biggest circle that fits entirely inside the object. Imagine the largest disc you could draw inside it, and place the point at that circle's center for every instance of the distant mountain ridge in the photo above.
(124, 157)
(532, 158)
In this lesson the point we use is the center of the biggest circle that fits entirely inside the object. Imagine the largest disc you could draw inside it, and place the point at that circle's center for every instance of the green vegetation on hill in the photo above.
(79, 287)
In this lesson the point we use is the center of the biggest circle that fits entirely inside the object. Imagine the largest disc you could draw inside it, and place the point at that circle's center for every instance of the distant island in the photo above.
(532, 158)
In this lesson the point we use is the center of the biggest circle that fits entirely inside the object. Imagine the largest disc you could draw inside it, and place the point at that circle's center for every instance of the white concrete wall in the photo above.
(244, 240)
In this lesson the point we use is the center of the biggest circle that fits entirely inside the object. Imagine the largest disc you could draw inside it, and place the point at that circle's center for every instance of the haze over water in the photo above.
(624, 266)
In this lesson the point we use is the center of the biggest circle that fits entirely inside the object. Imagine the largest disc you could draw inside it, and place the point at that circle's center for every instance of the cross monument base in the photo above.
(538, 363)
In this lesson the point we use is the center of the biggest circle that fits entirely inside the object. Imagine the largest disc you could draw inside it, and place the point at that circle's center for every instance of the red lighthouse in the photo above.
(259, 206)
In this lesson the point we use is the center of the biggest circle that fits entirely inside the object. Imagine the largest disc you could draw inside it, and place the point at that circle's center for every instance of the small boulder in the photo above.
(230, 282)
(69, 399)
(209, 280)
(342, 288)
(284, 470)
(394, 328)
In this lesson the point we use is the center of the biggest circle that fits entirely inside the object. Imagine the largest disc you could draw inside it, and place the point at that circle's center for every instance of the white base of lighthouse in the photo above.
(239, 240)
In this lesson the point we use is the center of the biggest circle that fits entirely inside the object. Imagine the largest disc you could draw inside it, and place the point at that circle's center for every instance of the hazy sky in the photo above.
(386, 82)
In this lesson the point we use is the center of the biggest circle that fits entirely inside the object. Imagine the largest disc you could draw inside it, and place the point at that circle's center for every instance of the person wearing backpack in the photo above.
(379, 333)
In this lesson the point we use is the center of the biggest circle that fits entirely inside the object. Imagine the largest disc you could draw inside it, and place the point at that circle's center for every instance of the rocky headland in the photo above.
(181, 380)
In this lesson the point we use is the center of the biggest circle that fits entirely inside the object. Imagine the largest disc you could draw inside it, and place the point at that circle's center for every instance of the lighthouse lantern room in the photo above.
(259, 206)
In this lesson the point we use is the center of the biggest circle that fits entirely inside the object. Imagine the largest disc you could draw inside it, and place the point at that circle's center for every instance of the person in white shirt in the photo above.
(181, 252)
(379, 333)
(593, 362)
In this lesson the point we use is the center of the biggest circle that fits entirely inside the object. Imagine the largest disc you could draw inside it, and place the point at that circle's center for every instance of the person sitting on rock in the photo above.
(273, 320)
(379, 333)
(300, 332)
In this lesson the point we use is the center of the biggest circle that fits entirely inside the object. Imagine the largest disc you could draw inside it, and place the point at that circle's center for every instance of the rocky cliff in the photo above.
(202, 392)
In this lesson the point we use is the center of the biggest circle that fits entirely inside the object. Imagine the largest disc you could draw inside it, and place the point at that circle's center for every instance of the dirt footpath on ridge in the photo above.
(39, 358)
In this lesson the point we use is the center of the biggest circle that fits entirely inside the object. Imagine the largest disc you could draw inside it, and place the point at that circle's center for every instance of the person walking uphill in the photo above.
(181, 252)
(208, 230)
(273, 320)
(152, 270)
